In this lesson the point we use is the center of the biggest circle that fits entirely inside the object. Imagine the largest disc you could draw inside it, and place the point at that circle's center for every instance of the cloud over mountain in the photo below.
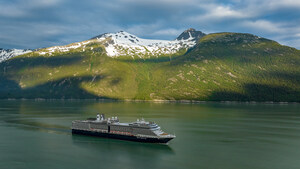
(41, 23)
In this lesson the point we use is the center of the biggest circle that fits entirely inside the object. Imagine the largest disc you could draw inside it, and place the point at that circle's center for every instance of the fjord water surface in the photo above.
(36, 134)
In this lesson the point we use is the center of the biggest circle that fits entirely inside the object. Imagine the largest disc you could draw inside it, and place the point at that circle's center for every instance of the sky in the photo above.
(34, 24)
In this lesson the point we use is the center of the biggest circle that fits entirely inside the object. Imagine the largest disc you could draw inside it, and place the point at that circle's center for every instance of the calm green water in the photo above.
(209, 135)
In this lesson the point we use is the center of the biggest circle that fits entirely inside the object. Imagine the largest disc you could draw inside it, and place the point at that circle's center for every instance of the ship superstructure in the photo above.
(139, 130)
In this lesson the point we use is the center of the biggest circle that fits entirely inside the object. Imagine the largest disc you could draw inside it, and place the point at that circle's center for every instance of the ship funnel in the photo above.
(102, 117)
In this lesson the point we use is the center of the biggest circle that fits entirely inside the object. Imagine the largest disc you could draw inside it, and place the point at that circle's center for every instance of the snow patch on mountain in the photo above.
(126, 44)
(67, 48)
(6, 54)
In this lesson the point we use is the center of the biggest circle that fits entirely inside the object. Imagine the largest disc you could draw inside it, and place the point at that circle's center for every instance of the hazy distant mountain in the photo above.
(194, 66)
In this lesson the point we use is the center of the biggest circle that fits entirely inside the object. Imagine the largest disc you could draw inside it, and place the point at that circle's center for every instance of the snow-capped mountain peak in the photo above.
(126, 44)
(122, 38)
(5, 54)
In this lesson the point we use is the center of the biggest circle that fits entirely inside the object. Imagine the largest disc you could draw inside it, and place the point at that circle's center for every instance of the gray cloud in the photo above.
(42, 23)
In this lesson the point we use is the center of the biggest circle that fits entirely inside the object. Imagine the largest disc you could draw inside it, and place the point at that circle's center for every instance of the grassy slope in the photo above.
(223, 66)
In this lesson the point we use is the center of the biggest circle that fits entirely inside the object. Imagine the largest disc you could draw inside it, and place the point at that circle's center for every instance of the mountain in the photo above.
(9, 53)
(126, 44)
(213, 67)
(196, 35)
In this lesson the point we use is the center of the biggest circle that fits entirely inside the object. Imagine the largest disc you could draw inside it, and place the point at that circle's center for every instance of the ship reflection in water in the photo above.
(108, 145)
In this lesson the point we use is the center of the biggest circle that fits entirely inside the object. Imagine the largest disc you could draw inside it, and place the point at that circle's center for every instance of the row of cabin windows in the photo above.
(121, 128)
(114, 128)
(143, 131)
(97, 126)
(81, 125)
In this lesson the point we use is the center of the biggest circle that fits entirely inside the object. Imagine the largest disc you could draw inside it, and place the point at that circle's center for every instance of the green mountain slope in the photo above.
(221, 67)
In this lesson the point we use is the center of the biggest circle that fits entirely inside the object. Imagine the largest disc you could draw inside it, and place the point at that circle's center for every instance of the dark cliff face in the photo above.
(191, 32)
(99, 36)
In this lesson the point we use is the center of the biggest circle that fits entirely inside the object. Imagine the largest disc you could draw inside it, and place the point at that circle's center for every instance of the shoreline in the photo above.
(155, 101)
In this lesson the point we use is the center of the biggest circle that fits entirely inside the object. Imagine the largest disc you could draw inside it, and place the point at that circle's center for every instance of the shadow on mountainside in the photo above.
(292, 77)
(24, 62)
(67, 88)
(259, 92)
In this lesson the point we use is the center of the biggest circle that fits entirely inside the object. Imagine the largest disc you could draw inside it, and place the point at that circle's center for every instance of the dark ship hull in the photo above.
(122, 137)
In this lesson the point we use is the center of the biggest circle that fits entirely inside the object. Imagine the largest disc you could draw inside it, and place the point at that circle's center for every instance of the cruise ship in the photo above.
(141, 130)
